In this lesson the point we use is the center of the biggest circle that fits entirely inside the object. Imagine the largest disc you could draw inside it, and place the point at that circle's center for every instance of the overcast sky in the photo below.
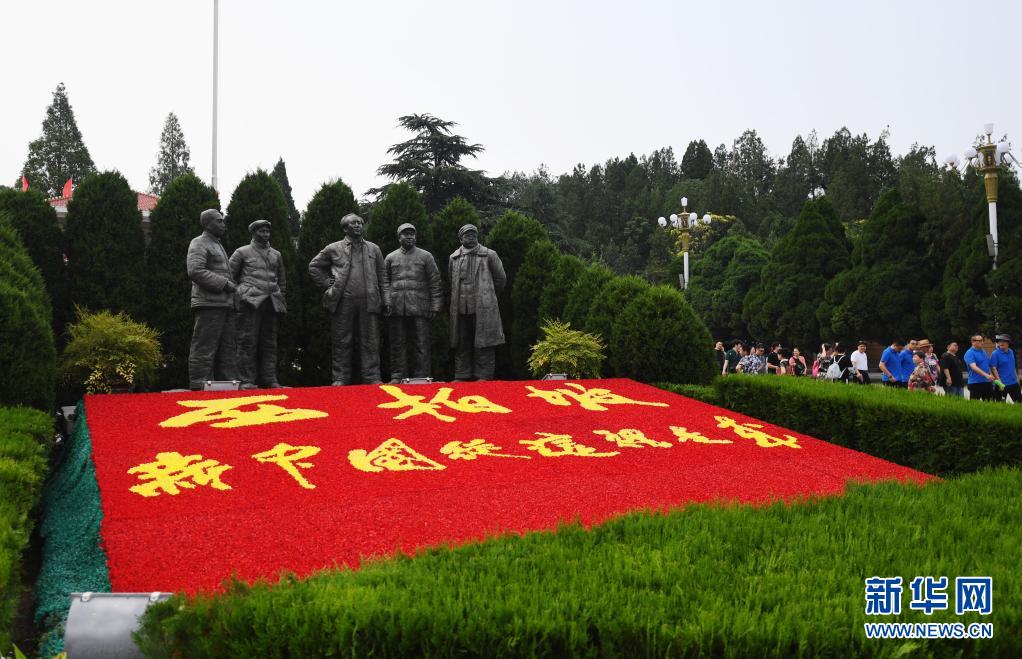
(322, 83)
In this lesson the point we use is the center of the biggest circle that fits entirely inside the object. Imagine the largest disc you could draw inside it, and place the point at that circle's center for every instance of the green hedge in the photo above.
(936, 434)
(702, 392)
(25, 438)
(785, 579)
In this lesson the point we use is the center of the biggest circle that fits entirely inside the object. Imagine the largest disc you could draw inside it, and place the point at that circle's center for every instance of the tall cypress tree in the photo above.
(784, 304)
(173, 158)
(400, 204)
(259, 197)
(721, 278)
(36, 223)
(532, 279)
(294, 218)
(320, 227)
(59, 154)
(174, 222)
(105, 245)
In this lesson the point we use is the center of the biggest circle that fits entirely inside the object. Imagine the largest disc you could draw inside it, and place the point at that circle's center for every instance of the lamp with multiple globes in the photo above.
(682, 223)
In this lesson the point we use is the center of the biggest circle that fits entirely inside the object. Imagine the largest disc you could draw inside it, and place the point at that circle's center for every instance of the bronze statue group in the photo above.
(236, 303)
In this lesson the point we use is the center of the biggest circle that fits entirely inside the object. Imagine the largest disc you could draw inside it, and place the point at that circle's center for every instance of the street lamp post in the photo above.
(681, 223)
(988, 159)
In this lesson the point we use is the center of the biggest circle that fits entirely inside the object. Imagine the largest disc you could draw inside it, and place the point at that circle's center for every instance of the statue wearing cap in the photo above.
(412, 280)
(211, 355)
(477, 277)
(259, 271)
(351, 273)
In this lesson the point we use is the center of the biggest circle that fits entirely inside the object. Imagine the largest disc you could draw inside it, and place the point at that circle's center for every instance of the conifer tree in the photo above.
(293, 216)
(174, 222)
(532, 279)
(59, 154)
(400, 204)
(173, 158)
(105, 245)
(721, 278)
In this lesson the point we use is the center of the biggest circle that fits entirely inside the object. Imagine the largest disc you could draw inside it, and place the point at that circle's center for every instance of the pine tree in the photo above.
(173, 158)
(293, 216)
(556, 293)
(533, 277)
(105, 245)
(697, 161)
(582, 294)
(721, 278)
(174, 222)
(321, 226)
(59, 154)
(259, 197)
(36, 223)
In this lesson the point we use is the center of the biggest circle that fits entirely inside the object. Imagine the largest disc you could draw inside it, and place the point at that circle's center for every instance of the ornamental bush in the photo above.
(658, 337)
(107, 351)
(27, 352)
(586, 289)
(174, 222)
(564, 350)
(612, 298)
(936, 434)
(25, 438)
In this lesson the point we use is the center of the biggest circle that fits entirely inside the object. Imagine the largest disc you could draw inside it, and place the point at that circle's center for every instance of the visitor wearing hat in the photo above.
(411, 276)
(932, 363)
(259, 271)
(1002, 365)
(477, 277)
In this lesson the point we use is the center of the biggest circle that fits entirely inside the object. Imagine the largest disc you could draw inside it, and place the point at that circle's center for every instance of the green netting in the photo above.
(73, 560)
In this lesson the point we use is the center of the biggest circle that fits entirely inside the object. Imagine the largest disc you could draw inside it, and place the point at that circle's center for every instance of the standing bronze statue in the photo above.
(212, 353)
(351, 272)
(477, 276)
(413, 282)
(259, 271)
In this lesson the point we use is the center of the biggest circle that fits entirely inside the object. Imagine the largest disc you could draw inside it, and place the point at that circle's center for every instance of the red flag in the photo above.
(67, 188)
(24, 183)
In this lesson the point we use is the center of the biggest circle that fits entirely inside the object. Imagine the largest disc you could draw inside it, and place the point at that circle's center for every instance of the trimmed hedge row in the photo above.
(25, 438)
(781, 580)
(936, 434)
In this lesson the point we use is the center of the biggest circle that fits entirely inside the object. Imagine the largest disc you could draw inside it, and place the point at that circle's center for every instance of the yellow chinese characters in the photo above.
(288, 457)
(172, 471)
(419, 405)
(551, 445)
(752, 431)
(392, 455)
(472, 449)
(589, 399)
(631, 438)
(226, 413)
(683, 435)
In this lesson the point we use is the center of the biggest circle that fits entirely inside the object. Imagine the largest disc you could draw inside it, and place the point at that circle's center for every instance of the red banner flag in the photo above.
(24, 183)
(67, 188)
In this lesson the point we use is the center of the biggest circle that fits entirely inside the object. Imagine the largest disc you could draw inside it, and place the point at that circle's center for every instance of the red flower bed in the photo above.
(199, 486)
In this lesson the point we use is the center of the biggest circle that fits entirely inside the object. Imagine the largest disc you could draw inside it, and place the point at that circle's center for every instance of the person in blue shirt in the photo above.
(1002, 365)
(890, 365)
(907, 365)
(981, 380)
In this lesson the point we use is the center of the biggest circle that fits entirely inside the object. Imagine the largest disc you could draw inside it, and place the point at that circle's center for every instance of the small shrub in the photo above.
(564, 350)
(658, 337)
(108, 350)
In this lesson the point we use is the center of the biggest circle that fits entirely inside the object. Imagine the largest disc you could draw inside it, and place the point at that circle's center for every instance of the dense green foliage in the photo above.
(657, 337)
(172, 160)
(259, 197)
(936, 434)
(788, 297)
(399, 204)
(533, 277)
(36, 223)
(564, 350)
(456, 214)
(73, 559)
(27, 352)
(174, 222)
(107, 350)
(720, 281)
(586, 289)
(615, 295)
(59, 154)
(559, 287)
(321, 226)
(707, 580)
(105, 245)
(25, 440)
(294, 218)
(878, 297)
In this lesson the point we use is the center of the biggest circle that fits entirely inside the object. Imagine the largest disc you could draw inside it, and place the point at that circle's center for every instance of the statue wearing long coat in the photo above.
(484, 264)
